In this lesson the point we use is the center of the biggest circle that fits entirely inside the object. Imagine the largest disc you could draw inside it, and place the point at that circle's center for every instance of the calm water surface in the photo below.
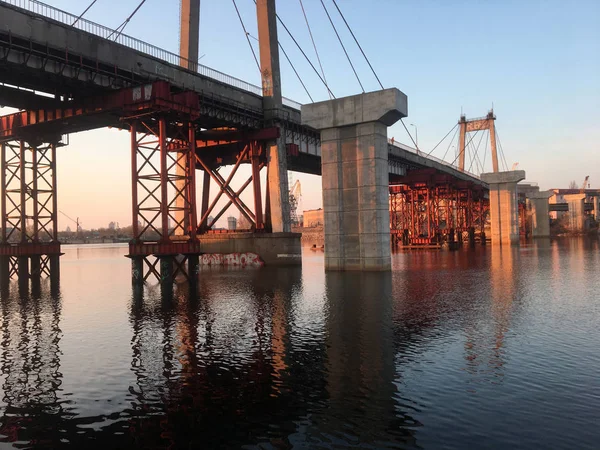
(482, 349)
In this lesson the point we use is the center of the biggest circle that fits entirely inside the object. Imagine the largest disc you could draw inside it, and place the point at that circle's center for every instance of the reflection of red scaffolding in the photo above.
(424, 215)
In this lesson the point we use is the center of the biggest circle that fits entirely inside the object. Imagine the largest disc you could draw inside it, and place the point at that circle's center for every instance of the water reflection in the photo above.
(32, 407)
(452, 348)
(360, 365)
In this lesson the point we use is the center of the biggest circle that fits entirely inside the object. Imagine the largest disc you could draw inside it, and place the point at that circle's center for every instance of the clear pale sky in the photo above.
(536, 61)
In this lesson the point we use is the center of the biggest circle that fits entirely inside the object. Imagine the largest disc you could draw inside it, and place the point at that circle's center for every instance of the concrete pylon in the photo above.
(504, 208)
(277, 179)
(189, 31)
(596, 208)
(355, 176)
(540, 213)
(576, 212)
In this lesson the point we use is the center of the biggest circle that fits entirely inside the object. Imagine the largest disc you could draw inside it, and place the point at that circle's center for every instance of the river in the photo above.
(483, 348)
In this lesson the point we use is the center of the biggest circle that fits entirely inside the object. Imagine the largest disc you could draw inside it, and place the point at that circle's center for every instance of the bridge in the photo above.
(65, 74)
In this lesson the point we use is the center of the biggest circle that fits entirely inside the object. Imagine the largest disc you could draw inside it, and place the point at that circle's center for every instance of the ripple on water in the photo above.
(492, 348)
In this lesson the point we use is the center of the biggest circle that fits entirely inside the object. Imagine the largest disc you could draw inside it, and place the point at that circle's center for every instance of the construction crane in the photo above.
(585, 183)
(77, 223)
(295, 198)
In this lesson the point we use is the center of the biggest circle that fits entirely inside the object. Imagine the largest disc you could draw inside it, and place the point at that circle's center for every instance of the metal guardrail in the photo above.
(50, 12)
(433, 158)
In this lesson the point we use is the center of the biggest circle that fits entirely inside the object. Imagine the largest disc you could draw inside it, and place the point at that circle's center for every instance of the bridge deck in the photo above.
(43, 53)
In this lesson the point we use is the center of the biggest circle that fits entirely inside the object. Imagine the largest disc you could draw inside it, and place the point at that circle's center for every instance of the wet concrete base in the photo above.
(275, 249)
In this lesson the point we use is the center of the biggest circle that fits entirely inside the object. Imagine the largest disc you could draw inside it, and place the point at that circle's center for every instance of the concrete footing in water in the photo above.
(275, 249)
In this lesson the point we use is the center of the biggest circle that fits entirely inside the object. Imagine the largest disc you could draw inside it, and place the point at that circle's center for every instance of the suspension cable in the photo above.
(343, 48)
(303, 53)
(306, 57)
(313, 43)
(121, 27)
(484, 154)
(436, 146)
(501, 149)
(449, 144)
(459, 152)
(409, 135)
(246, 34)
(83, 13)
(356, 40)
(296, 72)
(475, 151)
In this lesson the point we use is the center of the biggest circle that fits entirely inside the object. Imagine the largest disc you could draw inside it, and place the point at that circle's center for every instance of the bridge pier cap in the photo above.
(386, 106)
(504, 207)
(355, 176)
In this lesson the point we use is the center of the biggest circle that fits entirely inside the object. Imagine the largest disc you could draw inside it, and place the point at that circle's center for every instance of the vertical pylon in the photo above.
(469, 125)
(277, 181)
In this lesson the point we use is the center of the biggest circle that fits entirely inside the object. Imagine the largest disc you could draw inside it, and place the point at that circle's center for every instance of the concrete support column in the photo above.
(596, 208)
(4, 271)
(277, 180)
(576, 212)
(355, 176)
(504, 208)
(23, 268)
(54, 273)
(193, 268)
(540, 213)
(137, 270)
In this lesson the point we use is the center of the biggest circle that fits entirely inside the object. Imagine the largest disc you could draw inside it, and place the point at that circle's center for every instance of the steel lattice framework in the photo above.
(163, 196)
(28, 240)
(423, 215)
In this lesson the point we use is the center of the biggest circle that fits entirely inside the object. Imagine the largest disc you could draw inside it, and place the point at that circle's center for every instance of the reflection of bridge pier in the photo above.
(360, 360)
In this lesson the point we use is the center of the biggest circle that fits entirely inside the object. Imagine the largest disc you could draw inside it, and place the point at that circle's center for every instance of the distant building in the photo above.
(313, 218)
(231, 223)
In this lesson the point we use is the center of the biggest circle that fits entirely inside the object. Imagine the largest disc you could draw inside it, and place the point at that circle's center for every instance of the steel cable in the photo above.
(343, 47)
(356, 40)
(313, 42)
(83, 13)
(246, 34)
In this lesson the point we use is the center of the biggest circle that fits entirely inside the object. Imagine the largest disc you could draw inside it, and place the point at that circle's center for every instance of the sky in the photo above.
(537, 62)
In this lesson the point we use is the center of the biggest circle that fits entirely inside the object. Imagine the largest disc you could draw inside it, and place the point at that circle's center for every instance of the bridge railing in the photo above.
(50, 12)
(425, 155)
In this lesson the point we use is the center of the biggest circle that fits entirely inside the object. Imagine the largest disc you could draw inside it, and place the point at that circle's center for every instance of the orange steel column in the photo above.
(191, 168)
(254, 150)
(492, 129)
(461, 143)
(134, 182)
(164, 180)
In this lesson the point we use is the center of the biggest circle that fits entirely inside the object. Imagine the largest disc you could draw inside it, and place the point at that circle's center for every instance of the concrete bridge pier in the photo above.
(576, 212)
(355, 176)
(540, 213)
(504, 208)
